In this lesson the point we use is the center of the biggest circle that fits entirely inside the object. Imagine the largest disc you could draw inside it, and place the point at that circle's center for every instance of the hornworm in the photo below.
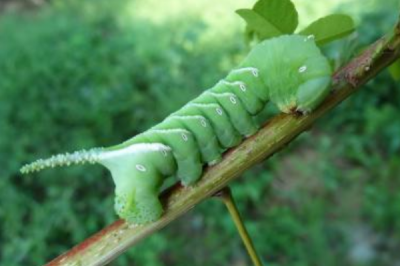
(290, 71)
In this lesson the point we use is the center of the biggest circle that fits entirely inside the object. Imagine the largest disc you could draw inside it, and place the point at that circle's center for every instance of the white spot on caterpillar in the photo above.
(242, 87)
(367, 68)
(184, 137)
(141, 168)
(232, 99)
(309, 38)
(219, 111)
(302, 69)
(254, 71)
(203, 122)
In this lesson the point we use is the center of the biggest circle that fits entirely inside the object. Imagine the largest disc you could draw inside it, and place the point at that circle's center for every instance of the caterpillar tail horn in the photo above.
(91, 156)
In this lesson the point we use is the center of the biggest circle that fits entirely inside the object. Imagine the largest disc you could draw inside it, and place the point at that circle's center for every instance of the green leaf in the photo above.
(257, 23)
(271, 18)
(394, 70)
(281, 14)
(330, 28)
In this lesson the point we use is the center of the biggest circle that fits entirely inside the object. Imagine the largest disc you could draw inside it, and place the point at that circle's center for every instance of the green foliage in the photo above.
(280, 13)
(271, 18)
(394, 70)
(77, 75)
(255, 22)
(329, 28)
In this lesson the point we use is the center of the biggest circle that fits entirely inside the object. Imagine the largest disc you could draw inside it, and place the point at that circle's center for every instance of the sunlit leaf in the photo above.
(281, 14)
(330, 28)
(258, 24)
(271, 18)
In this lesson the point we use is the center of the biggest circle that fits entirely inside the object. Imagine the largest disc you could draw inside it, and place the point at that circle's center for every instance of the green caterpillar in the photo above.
(290, 71)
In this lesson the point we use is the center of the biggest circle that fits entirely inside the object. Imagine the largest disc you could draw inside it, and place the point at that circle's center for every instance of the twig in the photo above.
(226, 196)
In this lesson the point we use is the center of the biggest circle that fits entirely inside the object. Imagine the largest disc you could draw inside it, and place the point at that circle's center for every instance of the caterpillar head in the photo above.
(295, 72)
(311, 93)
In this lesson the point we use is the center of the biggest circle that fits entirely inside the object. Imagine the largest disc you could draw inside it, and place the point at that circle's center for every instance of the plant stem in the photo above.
(226, 196)
(110, 242)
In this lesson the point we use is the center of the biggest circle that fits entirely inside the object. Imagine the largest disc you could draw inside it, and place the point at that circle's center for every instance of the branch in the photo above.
(107, 244)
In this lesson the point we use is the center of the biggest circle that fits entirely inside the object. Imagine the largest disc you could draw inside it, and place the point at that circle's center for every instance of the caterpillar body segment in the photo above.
(229, 103)
(203, 133)
(184, 148)
(218, 119)
(250, 101)
(289, 71)
(138, 172)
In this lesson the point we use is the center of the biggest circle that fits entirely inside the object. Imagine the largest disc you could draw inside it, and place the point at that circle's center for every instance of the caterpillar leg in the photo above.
(226, 196)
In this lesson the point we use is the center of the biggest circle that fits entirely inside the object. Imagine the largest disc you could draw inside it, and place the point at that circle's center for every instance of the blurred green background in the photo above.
(78, 74)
